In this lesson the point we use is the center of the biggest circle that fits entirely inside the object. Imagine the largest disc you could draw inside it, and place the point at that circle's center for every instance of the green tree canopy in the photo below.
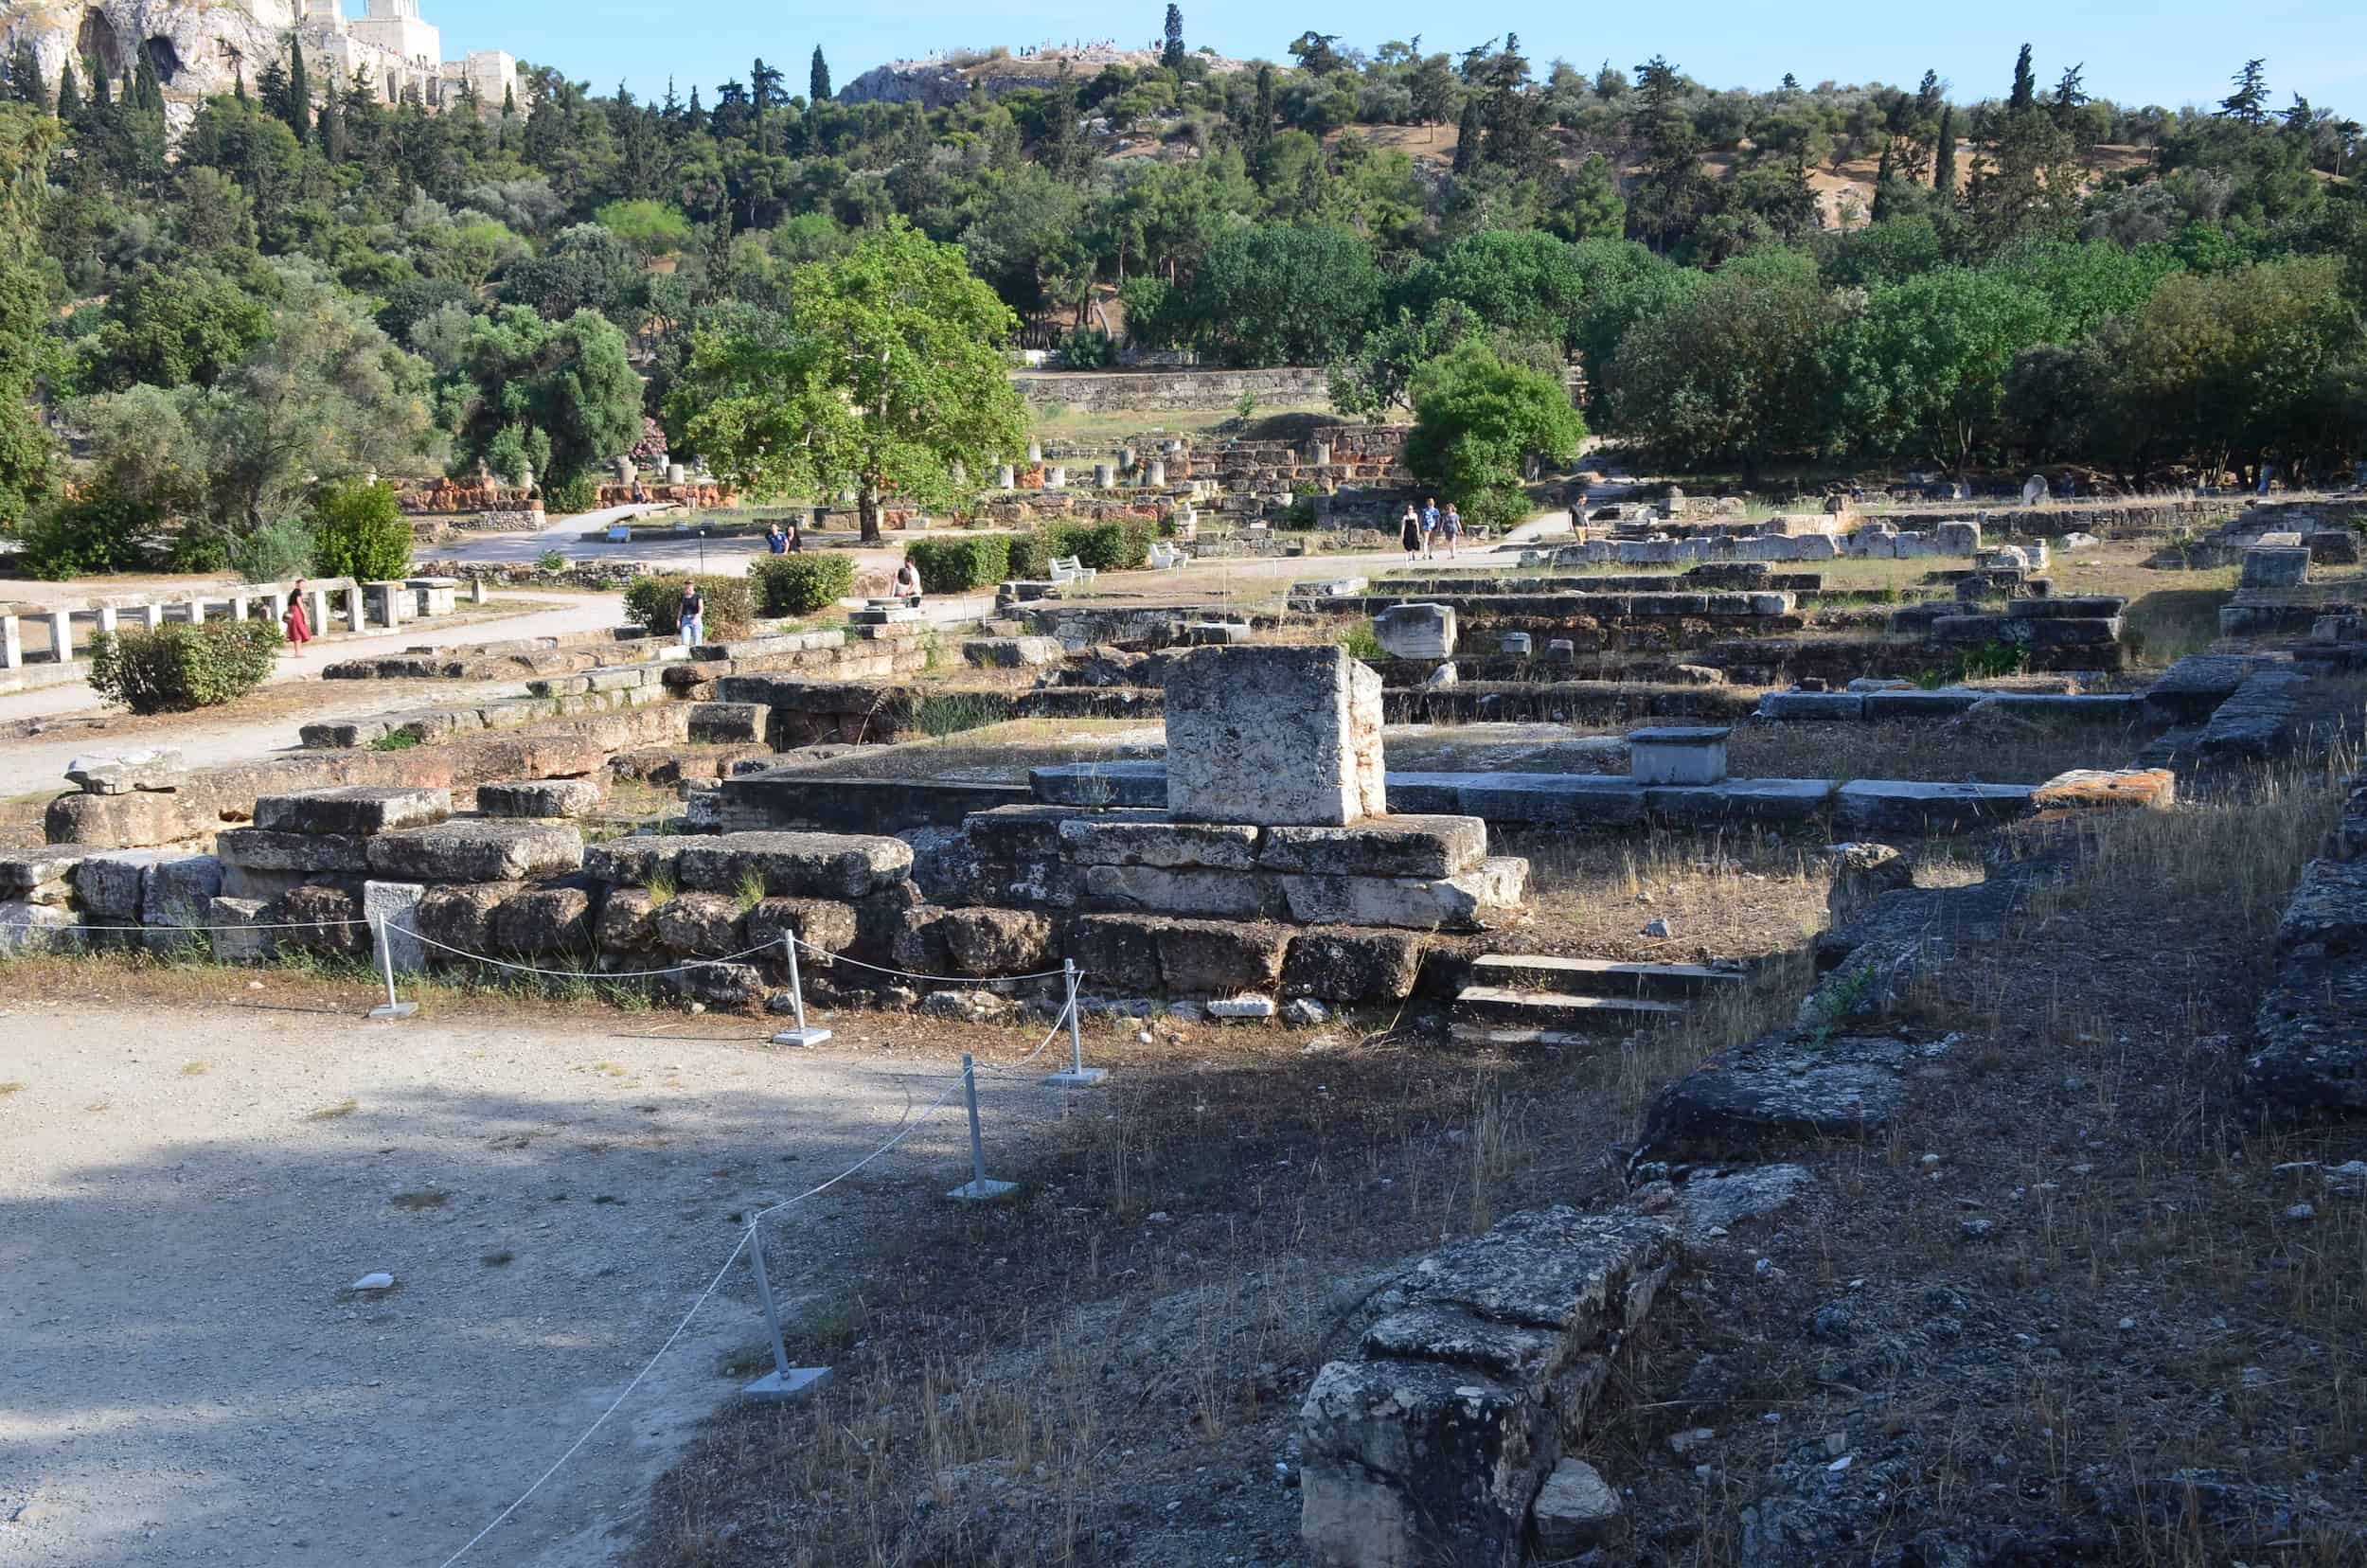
(559, 396)
(1278, 294)
(1477, 420)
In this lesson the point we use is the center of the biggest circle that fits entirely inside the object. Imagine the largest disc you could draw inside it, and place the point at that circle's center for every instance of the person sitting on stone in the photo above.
(908, 580)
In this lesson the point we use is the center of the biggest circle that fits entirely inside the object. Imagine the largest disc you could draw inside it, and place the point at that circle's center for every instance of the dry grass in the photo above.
(2004, 750)
(1724, 895)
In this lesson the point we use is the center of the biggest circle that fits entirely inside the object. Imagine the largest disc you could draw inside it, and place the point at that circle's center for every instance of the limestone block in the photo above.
(738, 986)
(2108, 790)
(459, 916)
(1119, 841)
(1352, 966)
(109, 885)
(634, 861)
(1483, 899)
(158, 768)
(544, 921)
(313, 919)
(1575, 1511)
(476, 852)
(1417, 630)
(1959, 538)
(2277, 567)
(176, 889)
(541, 797)
(237, 938)
(1274, 735)
(627, 921)
(354, 808)
(1218, 958)
(700, 924)
(392, 911)
(266, 849)
(1115, 951)
(820, 865)
(1884, 807)
(1013, 652)
(822, 924)
(728, 723)
(1678, 755)
(1165, 890)
(22, 871)
(1380, 846)
(997, 942)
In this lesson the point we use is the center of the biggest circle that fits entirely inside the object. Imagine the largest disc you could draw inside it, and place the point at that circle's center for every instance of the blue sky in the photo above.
(2171, 52)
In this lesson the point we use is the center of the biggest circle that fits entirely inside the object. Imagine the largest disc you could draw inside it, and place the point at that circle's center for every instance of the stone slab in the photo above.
(267, 849)
(1420, 846)
(353, 809)
(818, 866)
(1104, 840)
(1877, 808)
(541, 797)
(392, 910)
(476, 851)
(158, 768)
(1813, 705)
(1483, 899)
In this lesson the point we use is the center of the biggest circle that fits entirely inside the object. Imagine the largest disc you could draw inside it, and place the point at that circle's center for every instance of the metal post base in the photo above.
(801, 1037)
(395, 1009)
(780, 1387)
(983, 1190)
(1076, 1077)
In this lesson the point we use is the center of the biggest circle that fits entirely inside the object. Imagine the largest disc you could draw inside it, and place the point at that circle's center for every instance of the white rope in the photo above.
(594, 974)
(911, 1124)
(283, 925)
(829, 958)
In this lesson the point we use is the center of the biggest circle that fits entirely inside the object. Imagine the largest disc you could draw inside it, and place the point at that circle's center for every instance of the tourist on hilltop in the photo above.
(908, 580)
(297, 625)
(1409, 532)
(1453, 525)
(693, 615)
(775, 541)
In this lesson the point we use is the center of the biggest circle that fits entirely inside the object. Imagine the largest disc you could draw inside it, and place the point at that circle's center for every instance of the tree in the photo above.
(1433, 86)
(1663, 208)
(1944, 155)
(559, 396)
(1522, 283)
(1476, 422)
(176, 324)
(1728, 370)
(584, 267)
(359, 534)
(2026, 93)
(817, 78)
(300, 99)
(888, 381)
(1379, 376)
(2249, 103)
(1921, 370)
(1171, 56)
(28, 459)
(1276, 293)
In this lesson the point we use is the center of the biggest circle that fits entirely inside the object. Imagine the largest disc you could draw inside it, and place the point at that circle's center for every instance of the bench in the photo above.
(1165, 556)
(1068, 569)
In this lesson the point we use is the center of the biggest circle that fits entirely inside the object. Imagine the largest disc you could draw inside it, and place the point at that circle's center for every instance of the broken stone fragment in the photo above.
(159, 768)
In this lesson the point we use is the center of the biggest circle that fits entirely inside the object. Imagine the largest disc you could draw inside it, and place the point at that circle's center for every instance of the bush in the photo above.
(99, 532)
(358, 533)
(800, 584)
(1121, 544)
(1026, 557)
(958, 566)
(181, 666)
(552, 561)
(276, 552)
(567, 497)
(652, 604)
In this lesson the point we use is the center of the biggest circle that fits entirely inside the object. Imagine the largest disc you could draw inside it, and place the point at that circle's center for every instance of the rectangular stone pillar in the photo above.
(476, 591)
(238, 607)
(392, 910)
(316, 610)
(1276, 737)
(276, 604)
(12, 643)
(62, 635)
(357, 608)
(151, 617)
(107, 616)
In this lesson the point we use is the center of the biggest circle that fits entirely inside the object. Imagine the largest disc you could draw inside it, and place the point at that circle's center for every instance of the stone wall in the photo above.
(1167, 391)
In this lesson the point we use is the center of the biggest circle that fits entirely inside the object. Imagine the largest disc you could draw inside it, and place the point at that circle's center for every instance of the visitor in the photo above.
(797, 538)
(299, 627)
(1409, 532)
(908, 581)
(774, 540)
(1430, 527)
(693, 617)
(1453, 525)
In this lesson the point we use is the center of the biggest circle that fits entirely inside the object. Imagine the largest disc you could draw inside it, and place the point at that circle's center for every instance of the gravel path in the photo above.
(185, 1197)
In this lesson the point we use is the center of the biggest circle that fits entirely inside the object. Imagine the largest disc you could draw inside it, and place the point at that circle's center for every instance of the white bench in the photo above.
(1165, 556)
(1070, 569)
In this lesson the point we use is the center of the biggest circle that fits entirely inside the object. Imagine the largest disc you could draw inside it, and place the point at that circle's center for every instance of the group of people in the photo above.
(1421, 526)
(784, 541)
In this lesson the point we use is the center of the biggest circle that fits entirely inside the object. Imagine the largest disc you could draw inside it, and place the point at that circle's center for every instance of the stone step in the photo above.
(1601, 977)
(1542, 1010)
(1508, 1037)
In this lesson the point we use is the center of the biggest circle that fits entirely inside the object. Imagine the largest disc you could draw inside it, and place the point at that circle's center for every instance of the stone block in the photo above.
(1100, 784)
(357, 810)
(627, 921)
(1678, 755)
(175, 890)
(544, 921)
(1013, 652)
(1274, 735)
(267, 849)
(23, 871)
(634, 861)
(1887, 808)
(1352, 966)
(728, 723)
(820, 865)
(314, 917)
(1813, 706)
(1121, 840)
(239, 930)
(1552, 800)
(2282, 567)
(159, 768)
(457, 919)
(467, 851)
(124, 821)
(1483, 899)
(2114, 789)
(109, 885)
(392, 911)
(541, 797)
(822, 924)
(735, 987)
(1167, 890)
(1425, 847)
(1115, 951)
(1959, 539)
(1218, 958)
(699, 924)
(997, 942)
(1577, 1510)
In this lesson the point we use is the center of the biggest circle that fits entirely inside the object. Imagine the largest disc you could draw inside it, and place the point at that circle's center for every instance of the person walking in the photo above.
(774, 540)
(692, 615)
(1451, 525)
(295, 623)
(1409, 532)
(1430, 527)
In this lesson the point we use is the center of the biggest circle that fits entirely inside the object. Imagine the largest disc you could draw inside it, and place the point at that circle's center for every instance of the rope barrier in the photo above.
(281, 925)
(911, 1124)
(594, 974)
(829, 958)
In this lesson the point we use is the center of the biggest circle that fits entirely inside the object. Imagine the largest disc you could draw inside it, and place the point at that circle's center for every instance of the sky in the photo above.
(2170, 52)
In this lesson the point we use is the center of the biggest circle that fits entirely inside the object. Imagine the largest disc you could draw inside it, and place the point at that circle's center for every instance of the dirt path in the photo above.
(185, 1197)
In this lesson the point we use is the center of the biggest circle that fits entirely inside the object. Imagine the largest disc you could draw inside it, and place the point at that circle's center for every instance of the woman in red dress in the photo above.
(299, 629)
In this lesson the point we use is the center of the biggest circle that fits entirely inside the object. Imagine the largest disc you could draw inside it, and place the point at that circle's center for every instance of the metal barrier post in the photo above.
(801, 1035)
(393, 1007)
(784, 1382)
(1076, 1075)
(978, 1189)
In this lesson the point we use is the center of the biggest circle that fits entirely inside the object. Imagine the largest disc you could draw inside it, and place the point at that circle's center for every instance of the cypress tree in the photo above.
(2025, 94)
(1944, 159)
(69, 94)
(1883, 173)
(100, 94)
(509, 101)
(299, 94)
(148, 93)
(237, 82)
(1468, 137)
(818, 78)
(1171, 57)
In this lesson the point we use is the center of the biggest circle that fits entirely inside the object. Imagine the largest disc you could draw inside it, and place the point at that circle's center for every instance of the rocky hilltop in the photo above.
(944, 80)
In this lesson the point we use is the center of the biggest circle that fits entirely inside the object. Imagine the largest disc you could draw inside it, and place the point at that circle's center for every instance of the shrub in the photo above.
(1120, 544)
(800, 584)
(567, 497)
(358, 533)
(948, 713)
(958, 566)
(651, 603)
(177, 667)
(276, 552)
(1026, 557)
(100, 531)
(552, 561)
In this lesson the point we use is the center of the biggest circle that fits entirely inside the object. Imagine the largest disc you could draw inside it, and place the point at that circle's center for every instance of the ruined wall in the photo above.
(1169, 391)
